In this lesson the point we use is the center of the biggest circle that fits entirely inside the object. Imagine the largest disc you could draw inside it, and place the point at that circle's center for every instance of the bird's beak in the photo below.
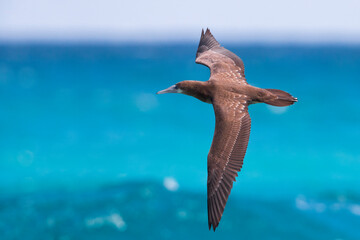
(172, 89)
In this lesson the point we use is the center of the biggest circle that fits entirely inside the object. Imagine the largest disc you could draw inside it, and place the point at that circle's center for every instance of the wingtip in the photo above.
(205, 32)
(207, 40)
(208, 31)
(213, 226)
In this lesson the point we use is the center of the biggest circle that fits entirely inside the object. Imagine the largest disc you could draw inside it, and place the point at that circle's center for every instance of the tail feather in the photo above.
(283, 98)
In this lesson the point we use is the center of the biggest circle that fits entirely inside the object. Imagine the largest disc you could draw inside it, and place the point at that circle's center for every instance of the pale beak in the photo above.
(172, 89)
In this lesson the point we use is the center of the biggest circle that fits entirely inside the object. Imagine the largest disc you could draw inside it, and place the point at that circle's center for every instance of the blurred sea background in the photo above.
(89, 151)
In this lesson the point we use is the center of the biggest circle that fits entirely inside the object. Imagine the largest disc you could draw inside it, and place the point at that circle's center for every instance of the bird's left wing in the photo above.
(223, 64)
(225, 159)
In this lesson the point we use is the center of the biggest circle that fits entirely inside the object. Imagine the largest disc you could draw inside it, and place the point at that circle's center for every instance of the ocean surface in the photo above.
(89, 151)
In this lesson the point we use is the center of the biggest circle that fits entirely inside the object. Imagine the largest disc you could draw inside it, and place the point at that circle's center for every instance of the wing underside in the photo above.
(225, 159)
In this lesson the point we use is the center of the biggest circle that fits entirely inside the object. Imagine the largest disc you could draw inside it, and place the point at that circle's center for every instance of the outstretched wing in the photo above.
(225, 159)
(220, 60)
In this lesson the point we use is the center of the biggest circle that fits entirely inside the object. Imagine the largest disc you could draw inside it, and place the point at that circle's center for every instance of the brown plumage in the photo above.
(230, 95)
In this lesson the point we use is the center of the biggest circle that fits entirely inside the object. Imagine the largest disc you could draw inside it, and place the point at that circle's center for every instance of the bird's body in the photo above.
(230, 95)
(207, 91)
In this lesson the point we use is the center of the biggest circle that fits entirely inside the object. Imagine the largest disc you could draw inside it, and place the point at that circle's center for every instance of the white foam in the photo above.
(113, 219)
(117, 221)
(94, 222)
(355, 209)
(301, 203)
(171, 184)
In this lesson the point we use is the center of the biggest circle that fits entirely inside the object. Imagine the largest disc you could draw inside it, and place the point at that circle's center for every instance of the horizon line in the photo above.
(171, 37)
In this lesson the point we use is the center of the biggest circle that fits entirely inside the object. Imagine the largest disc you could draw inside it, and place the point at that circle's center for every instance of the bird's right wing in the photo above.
(222, 62)
(225, 159)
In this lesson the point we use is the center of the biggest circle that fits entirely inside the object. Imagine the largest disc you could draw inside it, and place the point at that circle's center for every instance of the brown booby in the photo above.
(230, 95)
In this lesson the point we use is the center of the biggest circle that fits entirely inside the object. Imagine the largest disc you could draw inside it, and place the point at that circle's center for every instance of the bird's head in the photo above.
(193, 88)
(177, 88)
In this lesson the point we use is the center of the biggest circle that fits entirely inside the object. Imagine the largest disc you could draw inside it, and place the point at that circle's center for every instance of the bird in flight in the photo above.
(230, 95)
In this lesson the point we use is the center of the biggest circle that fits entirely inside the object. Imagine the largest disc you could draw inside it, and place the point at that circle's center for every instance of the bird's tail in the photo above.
(283, 98)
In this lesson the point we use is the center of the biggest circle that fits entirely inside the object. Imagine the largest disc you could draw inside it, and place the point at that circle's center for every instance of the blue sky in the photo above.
(164, 20)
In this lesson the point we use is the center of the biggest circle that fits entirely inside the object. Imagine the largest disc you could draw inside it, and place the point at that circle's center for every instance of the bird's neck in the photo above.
(197, 89)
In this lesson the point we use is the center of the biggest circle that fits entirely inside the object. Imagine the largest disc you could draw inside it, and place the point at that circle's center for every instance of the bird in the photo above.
(230, 95)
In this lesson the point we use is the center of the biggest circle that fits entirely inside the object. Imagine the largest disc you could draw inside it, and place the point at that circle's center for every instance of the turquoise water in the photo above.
(87, 150)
